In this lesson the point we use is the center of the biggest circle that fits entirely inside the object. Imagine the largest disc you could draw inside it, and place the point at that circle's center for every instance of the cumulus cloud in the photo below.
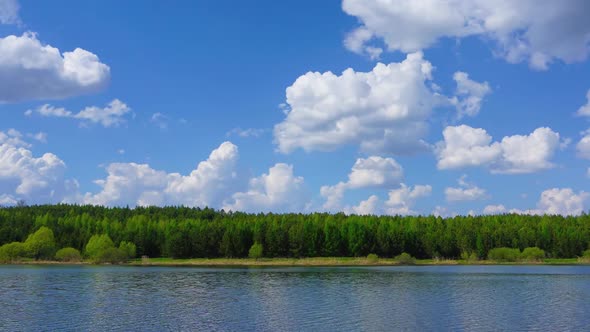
(25, 176)
(585, 109)
(13, 137)
(371, 172)
(464, 146)
(9, 12)
(279, 191)
(465, 192)
(494, 209)
(366, 207)
(112, 115)
(30, 70)
(521, 30)
(443, 212)
(384, 110)
(139, 184)
(563, 201)
(470, 94)
(402, 200)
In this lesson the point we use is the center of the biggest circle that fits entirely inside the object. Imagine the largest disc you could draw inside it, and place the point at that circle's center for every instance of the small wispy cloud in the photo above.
(245, 133)
(113, 115)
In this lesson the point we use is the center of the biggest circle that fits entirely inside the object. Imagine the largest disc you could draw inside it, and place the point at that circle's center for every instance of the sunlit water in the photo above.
(511, 298)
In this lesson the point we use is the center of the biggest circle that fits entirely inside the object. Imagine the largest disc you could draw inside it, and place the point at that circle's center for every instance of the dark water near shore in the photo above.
(510, 298)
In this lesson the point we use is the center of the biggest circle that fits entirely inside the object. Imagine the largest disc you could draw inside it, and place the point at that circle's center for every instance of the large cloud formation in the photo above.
(524, 30)
(30, 70)
(139, 184)
(210, 184)
(562, 201)
(37, 180)
(385, 110)
(464, 146)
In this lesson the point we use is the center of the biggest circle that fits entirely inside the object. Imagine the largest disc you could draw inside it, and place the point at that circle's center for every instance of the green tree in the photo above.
(504, 254)
(532, 254)
(111, 255)
(256, 251)
(405, 258)
(128, 248)
(41, 244)
(97, 245)
(12, 252)
(68, 255)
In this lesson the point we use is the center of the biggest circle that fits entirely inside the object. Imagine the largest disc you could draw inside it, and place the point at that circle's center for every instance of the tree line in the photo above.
(182, 232)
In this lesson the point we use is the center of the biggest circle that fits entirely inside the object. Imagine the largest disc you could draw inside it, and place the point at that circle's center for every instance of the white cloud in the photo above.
(384, 110)
(9, 12)
(470, 94)
(112, 115)
(7, 200)
(366, 207)
(464, 146)
(494, 209)
(130, 184)
(583, 146)
(139, 184)
(402, 200)
(14, 138)
(34, 179)
(371, 172)
(562, 201)
(585, 109)
(521, 30)
(465, 192)
(443, 212)
(279, 191)
(30, 70)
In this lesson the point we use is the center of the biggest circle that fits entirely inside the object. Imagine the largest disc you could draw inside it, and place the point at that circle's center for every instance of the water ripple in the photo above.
(450, 298)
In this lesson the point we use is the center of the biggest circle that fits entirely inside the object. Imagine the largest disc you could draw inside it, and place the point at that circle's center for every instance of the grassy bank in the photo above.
(314, 261)
(336, 261)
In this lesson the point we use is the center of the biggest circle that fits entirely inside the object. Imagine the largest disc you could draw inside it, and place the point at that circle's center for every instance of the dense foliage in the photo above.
(181, 232)
(68, 255)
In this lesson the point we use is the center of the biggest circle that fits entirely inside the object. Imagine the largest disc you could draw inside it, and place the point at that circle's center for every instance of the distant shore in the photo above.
(308, 262)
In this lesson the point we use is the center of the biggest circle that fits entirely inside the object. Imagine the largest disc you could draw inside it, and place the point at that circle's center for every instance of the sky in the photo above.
(357, 106)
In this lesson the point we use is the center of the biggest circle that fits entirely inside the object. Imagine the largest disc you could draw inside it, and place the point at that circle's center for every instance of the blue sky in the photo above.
(507, 83)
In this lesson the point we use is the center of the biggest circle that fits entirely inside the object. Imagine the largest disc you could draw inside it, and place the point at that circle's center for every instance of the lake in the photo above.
(102, 298)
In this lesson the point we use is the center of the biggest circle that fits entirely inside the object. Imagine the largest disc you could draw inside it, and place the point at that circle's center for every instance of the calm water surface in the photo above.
(511, 298)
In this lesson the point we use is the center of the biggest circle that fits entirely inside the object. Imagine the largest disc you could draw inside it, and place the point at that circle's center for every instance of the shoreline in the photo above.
(305, 262)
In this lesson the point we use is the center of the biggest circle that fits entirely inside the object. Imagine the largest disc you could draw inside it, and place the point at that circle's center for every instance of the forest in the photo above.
(182, 232)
